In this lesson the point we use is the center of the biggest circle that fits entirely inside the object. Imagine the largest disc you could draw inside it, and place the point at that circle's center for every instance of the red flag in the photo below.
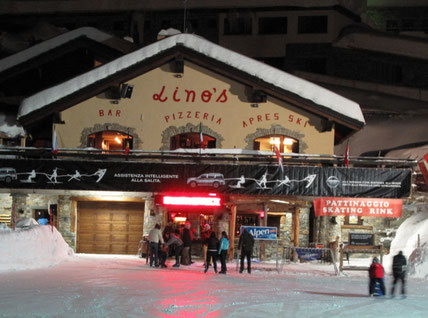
(127, 148)
(54, 144)
(423, 166)
(278, 157)
(347, 155)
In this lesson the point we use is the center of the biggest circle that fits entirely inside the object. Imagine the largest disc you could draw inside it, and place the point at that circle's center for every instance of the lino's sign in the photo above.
(261, 232)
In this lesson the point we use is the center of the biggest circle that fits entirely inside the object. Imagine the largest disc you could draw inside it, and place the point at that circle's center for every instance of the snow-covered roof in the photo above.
(264, 72)
(9, 127)
(169, 32)
(45, 46)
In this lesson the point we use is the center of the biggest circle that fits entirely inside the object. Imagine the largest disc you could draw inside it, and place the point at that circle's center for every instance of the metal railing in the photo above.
(241, 156)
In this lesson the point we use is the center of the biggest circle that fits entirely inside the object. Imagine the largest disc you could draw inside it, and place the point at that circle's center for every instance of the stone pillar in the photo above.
(66, 220)
(304, 227)
(19, 203)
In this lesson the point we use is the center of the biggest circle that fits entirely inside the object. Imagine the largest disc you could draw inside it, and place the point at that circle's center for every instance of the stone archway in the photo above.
(275, 130)
(109, 127)
(173, 130)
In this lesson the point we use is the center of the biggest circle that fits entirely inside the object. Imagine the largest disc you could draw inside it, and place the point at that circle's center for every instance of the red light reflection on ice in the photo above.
(181, 301)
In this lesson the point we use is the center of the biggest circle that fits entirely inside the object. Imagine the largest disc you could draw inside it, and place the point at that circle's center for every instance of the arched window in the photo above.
(283, 143)
(110, 140)
(192, 140)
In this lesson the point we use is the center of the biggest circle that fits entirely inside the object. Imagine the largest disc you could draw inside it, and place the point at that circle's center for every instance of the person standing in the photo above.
(187, 245)
(376, 274)
(155, 237)
(222, 251)
(246, 244)
(175, 240)
(205, 235)
(212, 251)
(399, 264)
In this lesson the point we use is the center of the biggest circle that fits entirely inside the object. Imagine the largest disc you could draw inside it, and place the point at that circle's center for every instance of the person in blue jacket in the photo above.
(222, 251)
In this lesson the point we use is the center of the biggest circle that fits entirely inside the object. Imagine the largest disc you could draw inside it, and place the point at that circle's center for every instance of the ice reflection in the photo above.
(183, 303)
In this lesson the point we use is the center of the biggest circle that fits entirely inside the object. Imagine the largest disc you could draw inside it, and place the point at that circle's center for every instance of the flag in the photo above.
(278, 158)
(347, 155)
(423, 166)
(127, 147)
(201, 136)
(54, 143)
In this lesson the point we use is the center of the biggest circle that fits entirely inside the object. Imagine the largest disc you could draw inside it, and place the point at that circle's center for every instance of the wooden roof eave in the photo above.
(103, 51)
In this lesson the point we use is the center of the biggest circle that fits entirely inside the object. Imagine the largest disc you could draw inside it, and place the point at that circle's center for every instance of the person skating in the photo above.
(155, 237)
(176, 241)
(222, 251)
(376, 274)
(212, 250)
(399, 264)
(246, 243)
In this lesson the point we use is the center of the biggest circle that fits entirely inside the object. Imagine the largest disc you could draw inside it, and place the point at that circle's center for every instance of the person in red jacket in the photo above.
(376, 274)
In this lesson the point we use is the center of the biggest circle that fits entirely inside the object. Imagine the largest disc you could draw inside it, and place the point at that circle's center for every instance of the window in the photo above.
(392, 26)
(236, 26)
(353, 220)
(192, 141)
(274, 221)
(10, 142)
(246, 220)
(110, 140)
(312, 24)
(273, 25)
(283, 143)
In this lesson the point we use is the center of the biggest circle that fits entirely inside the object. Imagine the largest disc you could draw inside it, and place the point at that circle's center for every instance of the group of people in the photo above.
(158, 247)
(181, 243)
(377, 275)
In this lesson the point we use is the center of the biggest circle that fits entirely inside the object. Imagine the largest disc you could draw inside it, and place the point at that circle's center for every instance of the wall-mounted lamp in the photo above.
(126, 91)
(254, 105)
(178, 75)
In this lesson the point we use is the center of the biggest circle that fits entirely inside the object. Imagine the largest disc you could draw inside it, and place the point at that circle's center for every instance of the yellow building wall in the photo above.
(158, 104)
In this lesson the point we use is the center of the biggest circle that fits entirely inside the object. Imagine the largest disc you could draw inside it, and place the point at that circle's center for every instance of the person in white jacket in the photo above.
(155, 237)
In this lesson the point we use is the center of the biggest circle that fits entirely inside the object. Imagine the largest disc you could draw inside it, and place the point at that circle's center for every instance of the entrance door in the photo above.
(109, 227)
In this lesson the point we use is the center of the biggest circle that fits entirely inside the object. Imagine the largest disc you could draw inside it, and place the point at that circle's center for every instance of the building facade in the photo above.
(180, 118)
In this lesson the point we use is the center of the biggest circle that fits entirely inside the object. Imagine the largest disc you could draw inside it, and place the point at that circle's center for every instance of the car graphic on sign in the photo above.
(7, 174)
(207, 179)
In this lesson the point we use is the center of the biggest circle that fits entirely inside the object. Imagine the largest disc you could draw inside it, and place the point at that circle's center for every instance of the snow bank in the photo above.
(36, 247)
(411, 233)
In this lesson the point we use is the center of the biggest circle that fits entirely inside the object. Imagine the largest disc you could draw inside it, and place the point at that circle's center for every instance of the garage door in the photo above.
(109, 227)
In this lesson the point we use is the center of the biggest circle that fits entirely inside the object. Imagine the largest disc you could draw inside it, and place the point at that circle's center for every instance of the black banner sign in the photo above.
(238, 179)
(361, 239)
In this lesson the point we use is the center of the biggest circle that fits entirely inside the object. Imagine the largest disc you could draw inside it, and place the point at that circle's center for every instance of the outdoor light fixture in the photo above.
(192, 200)
(254, 105)
(178, 75)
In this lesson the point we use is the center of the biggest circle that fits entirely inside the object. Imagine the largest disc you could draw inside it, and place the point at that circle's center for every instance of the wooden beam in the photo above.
(232, 232)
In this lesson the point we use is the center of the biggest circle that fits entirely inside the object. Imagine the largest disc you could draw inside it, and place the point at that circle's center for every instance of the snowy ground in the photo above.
(41, 277)
(124, 286)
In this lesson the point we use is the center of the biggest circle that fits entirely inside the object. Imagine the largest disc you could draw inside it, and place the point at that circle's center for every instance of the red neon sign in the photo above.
(211, 200)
